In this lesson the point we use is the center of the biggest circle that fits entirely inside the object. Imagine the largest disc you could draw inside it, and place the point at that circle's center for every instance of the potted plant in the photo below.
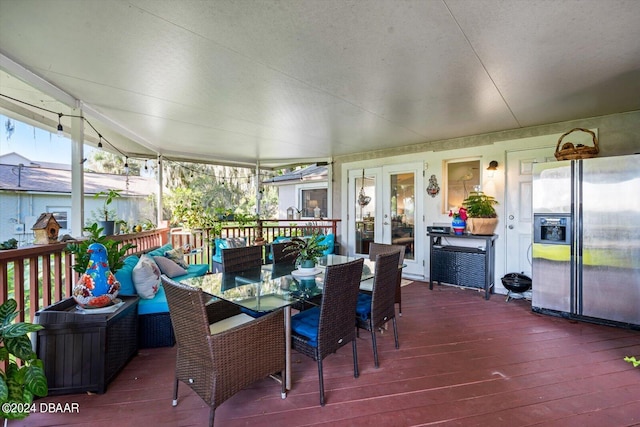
(308, 249)
(482, 217)
(21, 381)
(115, 250)
(110, 195)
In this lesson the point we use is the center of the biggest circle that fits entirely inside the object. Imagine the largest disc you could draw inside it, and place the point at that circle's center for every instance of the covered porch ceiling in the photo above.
(297, 81)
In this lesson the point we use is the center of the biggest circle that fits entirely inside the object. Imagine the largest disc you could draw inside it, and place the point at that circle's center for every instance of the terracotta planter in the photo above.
(482, 226)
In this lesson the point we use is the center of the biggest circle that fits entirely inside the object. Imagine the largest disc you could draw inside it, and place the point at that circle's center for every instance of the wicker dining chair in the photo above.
(220, 350)
(320, 331)
(374, 310)
(379, 248)
(242, 258)
(282, 255)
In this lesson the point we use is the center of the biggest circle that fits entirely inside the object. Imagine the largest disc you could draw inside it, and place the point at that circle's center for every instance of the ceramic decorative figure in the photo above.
(98, 286)
(433, 189)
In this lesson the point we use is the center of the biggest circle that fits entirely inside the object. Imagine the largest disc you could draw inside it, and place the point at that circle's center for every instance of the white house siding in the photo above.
(619, 134)
(20, 210)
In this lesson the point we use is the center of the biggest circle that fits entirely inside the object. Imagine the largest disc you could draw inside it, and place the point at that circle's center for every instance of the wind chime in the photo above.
(363, 199)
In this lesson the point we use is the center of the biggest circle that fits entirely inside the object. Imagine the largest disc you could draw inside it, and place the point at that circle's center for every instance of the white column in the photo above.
(77, 174)
(159, 178)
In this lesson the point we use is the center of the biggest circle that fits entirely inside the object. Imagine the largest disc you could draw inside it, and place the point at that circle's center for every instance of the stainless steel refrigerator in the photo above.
(586, 239)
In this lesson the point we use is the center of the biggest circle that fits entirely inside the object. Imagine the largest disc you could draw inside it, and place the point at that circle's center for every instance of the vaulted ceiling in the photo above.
(286, 81)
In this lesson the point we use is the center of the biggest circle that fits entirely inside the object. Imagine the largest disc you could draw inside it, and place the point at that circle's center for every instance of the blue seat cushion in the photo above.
(195, 270)
(305, 323)
(363, 308)
(157, 304)
(254, 314)
(124, 275)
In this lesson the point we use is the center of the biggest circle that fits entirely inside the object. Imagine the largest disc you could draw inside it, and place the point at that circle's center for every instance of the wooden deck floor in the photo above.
(463, 361)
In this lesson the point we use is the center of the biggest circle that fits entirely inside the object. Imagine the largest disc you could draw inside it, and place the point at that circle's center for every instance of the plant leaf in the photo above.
(20, 347)
(4, 390)
(36, 380)
(18, 329)
(8, 307)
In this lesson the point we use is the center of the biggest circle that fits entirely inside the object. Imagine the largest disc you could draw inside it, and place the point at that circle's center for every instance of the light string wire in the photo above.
(224, 177)
(60, 115)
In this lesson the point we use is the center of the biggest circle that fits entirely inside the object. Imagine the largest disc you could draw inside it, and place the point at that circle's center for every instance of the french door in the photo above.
(385, 205)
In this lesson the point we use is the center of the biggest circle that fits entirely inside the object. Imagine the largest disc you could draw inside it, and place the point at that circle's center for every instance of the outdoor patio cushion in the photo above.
(146, 277)
(168, 267)
(156, 305)
(363, 309)
(230, 242)
(306, 323)
(328, 240)
(176, 255)
(161, 250)
(124, 275)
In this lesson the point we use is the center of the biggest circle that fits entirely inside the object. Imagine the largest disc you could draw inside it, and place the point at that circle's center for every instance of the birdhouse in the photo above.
(46, 229)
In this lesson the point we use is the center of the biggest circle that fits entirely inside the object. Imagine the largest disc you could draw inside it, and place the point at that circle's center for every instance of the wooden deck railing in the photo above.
(268, 230)
(39, 275)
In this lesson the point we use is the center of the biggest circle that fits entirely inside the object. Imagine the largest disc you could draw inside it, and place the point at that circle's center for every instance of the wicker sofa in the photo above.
(154, 323)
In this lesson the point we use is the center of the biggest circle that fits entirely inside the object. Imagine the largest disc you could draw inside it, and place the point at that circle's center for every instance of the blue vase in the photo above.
(458, 225)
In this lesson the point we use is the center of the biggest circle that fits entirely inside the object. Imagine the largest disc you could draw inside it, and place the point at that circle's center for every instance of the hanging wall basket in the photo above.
(569, 151)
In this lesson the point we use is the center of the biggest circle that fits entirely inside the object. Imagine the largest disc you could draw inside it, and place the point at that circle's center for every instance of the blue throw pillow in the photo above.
(328, 240)
(125, 276)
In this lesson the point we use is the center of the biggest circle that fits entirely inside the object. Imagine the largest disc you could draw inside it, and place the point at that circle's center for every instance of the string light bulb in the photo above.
(99, 141)
(126, 166)
(60, 129)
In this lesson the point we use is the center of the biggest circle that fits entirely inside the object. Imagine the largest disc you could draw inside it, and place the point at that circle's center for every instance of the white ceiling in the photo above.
(292, 80)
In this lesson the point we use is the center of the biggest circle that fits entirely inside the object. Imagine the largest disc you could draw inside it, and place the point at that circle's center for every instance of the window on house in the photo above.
(61, 214)
(313, 198)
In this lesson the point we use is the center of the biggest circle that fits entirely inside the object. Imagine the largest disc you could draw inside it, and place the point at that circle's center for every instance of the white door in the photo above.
(385, 206)
(519, 212)
(402, 213)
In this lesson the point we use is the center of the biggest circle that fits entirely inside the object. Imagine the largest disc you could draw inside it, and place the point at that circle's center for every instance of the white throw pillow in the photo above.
(146, 277)
(169, 267)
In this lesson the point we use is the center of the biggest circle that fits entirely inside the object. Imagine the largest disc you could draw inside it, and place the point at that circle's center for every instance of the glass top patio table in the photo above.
(272, 286)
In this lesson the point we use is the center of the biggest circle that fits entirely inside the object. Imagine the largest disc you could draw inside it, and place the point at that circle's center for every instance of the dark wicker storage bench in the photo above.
(84, 352)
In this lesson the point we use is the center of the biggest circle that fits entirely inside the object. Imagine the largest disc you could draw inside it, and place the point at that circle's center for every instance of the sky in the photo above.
(34, 143)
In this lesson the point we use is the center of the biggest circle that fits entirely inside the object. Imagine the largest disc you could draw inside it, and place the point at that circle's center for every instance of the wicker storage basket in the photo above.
(570, 152)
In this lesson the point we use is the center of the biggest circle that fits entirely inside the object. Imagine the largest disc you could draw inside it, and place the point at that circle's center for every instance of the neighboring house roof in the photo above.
(45, 180)
(309, 173)
(14, 158)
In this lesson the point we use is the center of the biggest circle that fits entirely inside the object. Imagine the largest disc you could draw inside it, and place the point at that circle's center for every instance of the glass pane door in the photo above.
(403, 211)
(365, 206)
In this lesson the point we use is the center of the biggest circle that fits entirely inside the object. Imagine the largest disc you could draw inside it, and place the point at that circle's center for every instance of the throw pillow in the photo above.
(177, 255)
(169, 267)
(146, 277)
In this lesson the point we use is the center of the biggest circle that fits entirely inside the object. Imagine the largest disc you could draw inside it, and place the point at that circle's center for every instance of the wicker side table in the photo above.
(84, 352)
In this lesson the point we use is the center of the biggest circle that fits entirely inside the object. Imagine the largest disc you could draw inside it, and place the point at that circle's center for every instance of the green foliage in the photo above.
(479, 205)
(26, 379)
(633, 361)
(9, 244)
(110, 195)
(310, 248)
(115, 250)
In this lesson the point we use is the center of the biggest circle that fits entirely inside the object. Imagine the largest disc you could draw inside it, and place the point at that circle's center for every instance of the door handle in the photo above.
(510, 227)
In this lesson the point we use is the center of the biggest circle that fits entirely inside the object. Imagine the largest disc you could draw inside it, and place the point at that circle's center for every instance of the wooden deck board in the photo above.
(463, 361)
